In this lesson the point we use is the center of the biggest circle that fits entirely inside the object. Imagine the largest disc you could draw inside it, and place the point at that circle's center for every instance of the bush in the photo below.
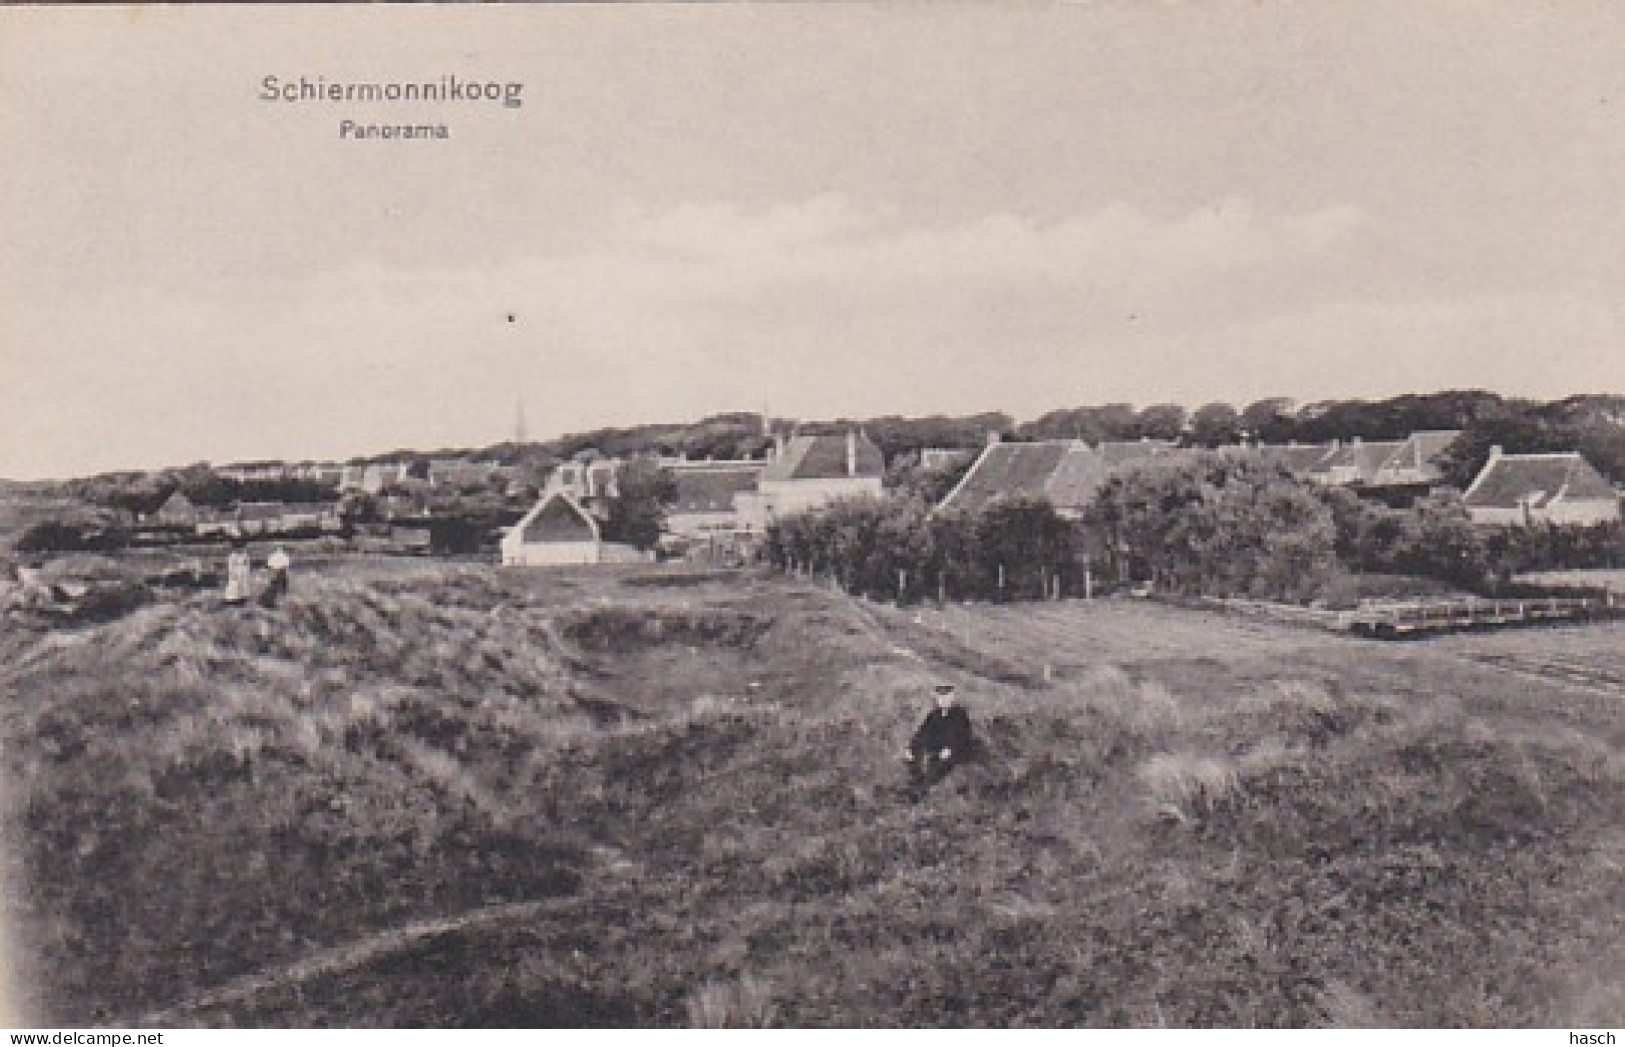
(1217, 526)
(54, 536)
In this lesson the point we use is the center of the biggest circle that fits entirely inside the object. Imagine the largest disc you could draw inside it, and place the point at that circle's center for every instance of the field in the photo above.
(429, 794)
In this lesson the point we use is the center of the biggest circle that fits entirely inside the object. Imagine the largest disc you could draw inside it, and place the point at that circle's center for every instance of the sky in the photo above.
(828, 211)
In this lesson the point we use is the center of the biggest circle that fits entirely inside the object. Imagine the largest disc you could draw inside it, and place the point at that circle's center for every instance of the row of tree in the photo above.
(897, 549)
(1208, 526)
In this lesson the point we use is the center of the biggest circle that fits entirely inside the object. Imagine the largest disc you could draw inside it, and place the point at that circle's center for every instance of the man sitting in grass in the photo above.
(943, 740)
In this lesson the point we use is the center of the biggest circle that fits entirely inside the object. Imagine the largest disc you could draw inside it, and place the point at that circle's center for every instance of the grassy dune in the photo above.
(451, 796)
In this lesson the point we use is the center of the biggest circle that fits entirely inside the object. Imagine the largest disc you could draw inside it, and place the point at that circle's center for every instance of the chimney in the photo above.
(851, 452)
(993, 437)
(1495, 454)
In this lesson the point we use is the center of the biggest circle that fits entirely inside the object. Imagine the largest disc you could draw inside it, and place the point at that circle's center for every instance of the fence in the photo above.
(1392, 620)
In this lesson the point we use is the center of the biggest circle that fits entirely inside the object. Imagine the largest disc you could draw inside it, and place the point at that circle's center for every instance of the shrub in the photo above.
(1217, 526)
(1189, 786)
(743, 1004)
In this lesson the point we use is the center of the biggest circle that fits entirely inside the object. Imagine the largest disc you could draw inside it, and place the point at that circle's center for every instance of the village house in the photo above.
(1354, 464)
(707, 499)
(591, 483)
(1297, 459)
(373, 478)
(1067, 473)
(560, 531)
(460, 472)
(945, 457)
(1416, 462)
(246, 471)
(177, 512)
(1524, 489)
(809, 472)
(261, 519)
(328, 473)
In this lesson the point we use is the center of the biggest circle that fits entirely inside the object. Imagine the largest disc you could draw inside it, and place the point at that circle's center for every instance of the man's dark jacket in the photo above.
(943, 729)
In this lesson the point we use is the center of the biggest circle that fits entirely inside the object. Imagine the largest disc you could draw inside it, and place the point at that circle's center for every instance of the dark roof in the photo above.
(1421, 452)
(824, 458)
(1515, 480)
(1067, 472)
(1296, 458)
(1364, 457)
(259, 510)
(1009, 470)
(558, 519)
(1083, 469)
(1429, 444)
(712, 489)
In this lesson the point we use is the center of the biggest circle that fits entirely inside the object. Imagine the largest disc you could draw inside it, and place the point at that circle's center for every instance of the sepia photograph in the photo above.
(800, 516)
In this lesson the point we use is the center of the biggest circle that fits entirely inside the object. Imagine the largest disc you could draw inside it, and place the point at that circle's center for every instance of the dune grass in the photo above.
(705, 778)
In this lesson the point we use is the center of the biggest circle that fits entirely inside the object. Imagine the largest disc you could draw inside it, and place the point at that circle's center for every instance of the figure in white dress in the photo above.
(239, 576)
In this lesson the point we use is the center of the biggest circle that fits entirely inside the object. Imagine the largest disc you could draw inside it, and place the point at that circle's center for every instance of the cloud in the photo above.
(815, 307)
(726, 250)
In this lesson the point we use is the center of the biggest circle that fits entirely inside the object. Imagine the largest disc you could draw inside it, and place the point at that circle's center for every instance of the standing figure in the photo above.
(239, 576)
(943, 741)
(276, 566)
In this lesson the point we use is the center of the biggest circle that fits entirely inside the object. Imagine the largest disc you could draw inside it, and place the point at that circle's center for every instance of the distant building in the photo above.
(592, 483)
(1416, 462)
(260, 519)
(708, 496)
(1067, 473)
(1297, 459)
(177, 512)
(945, 457)
(1522, 489)
(375, 477)
(329, 473)
(559, 531)
(1356, 463)
(245, 471)
(809, 472)
(460, 472)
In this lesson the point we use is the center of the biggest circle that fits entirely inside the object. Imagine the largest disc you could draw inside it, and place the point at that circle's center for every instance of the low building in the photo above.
(559, 531)
(809, 472)
(460, 473)
(591, 483)
(707, 502)
(1354, 464)
(177, 512)
(1066, 473)
(1298, 459)
(262, 519)
(1524, 489)
(1416, 462)
(946, 457)
(375, 477)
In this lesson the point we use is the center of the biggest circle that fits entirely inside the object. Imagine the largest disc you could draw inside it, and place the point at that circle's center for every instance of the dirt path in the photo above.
(348, 956)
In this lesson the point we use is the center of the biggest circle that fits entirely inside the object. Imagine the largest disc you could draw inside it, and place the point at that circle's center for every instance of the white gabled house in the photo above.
(809, 472)
(558, 531)
(1523, 489)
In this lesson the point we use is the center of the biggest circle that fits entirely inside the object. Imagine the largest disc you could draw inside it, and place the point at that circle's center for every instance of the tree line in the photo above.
(1213, 525)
